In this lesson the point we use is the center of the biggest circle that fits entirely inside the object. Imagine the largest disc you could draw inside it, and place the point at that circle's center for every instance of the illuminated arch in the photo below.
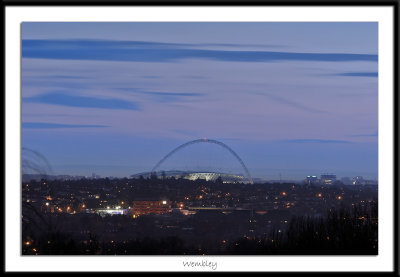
(206, 141)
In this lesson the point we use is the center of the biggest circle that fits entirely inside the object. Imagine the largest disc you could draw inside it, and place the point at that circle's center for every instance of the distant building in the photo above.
(311, 180)
(151, 207)
(328, 179)
(95, 176)
(358, 180)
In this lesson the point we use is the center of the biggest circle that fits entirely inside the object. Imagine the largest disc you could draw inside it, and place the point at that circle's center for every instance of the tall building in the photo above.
(328, 179)
(311, 180)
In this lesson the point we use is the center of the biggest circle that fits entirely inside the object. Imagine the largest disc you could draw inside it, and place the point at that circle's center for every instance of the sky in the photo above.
(290, 99)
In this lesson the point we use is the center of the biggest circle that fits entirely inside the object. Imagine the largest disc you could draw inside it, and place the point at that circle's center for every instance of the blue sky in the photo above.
(290, 98)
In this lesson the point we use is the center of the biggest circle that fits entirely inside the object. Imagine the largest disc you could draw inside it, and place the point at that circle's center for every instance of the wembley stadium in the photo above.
(192, 175)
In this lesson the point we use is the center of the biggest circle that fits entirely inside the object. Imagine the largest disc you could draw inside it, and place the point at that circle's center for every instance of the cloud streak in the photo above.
(315, 141)
(163, 96)
(63, 99)
(45, 125)
(108, 50)
(137, 44)
(358, 74)
(291, 103)
(366, 135)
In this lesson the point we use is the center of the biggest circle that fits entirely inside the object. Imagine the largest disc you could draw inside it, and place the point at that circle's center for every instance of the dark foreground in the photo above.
(297, 222)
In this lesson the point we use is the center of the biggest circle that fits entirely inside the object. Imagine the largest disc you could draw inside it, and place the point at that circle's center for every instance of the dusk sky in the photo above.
(294, 99)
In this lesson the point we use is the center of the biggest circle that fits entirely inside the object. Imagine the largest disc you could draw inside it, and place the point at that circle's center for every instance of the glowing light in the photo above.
(284, 193)
(319, 194)
(164, 202)
(27, 243)
(47, 203)
(339, 197)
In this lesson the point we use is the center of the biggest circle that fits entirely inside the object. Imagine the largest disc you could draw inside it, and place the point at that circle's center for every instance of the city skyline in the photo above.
(292, 99)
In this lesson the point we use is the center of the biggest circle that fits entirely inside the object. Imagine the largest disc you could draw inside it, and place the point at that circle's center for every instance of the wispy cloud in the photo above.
(68, 77)
(151, 77)
(163, 96)
(184, 94)
(63, 99)
(358, 74)
(45, 125)
(315, 141)
(195, 77)
(138, 44)
(291, 103)
(165, 52)
(58, 83)
(365, 135)
(185, 132)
